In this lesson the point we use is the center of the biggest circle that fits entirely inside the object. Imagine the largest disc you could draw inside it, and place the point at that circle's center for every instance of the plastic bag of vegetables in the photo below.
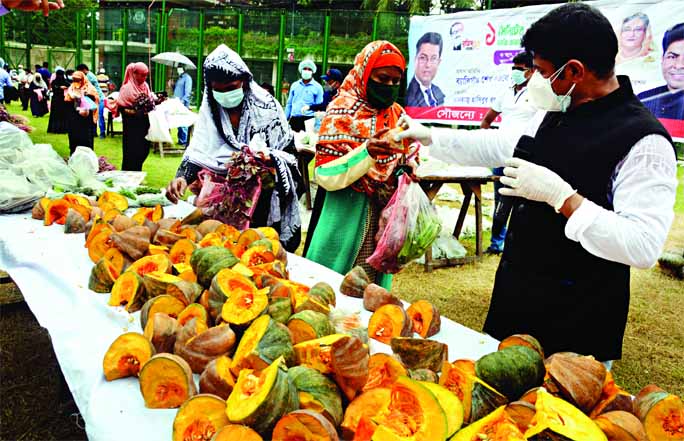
(408, 226)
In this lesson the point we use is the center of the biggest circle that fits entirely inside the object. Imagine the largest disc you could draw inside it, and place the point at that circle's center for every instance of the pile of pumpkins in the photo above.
(275, 363)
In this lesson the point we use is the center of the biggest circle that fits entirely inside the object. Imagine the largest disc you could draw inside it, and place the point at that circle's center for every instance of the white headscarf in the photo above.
(261, 113)
(38, 81)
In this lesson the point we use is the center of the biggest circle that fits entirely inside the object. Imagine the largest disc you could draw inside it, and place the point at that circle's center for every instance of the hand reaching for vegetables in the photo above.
(34, 5)
(383, 144)
(176, 189)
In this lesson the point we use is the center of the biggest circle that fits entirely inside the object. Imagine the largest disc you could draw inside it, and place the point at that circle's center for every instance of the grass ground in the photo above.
(35, 403)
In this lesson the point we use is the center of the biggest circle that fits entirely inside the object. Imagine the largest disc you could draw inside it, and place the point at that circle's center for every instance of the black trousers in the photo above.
(24, 95)
(297, 122)
(135, 146)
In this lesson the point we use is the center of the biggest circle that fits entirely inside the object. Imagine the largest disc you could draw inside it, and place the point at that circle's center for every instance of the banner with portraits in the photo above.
(460, 63)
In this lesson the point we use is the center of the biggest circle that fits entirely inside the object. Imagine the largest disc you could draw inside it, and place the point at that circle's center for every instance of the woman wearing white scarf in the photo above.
(235, 112)
(38, 97)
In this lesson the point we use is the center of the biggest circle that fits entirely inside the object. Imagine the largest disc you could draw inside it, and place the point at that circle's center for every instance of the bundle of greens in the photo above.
(233, 199)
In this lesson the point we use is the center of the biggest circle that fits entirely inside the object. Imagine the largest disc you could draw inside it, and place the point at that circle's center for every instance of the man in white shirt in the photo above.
(516, 111)
(595, 190)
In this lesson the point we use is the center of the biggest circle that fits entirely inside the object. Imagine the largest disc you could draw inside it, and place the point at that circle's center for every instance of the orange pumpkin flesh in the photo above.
(425, 318)
(167, 304)
(383, 371)
(243, 307)
(256, 256)
(661, 413)
(304, 425)
(166, 382)
(128, 291)
(366, 405)
(234, 432)
(199, 418)
(148, 264)
(56, 212)
(126, 355)
(181, 251)
(389, 321)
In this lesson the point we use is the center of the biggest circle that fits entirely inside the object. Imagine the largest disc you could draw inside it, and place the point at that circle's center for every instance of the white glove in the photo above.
(534, 182)
(305, 108)
(413, 130)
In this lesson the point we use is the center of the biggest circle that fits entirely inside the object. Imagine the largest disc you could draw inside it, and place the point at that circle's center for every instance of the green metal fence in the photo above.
(272, 42)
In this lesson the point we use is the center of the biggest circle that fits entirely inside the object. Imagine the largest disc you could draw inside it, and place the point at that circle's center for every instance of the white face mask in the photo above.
(542, 95)
(180, 70)
(230, 99)
(307, 74)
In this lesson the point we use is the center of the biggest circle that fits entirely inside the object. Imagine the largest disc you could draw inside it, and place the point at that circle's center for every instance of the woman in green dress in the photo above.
(356, 160)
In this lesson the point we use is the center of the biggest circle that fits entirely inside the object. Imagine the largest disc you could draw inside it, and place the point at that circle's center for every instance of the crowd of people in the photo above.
(576, 225)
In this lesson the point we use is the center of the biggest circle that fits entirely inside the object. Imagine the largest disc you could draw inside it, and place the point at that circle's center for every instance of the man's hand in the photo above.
(34, 5)
(176, 189)
(305, 108)
(413, 130)
(534, 182)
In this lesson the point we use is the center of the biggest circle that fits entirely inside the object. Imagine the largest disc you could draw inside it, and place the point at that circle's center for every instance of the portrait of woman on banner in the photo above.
(635, 40)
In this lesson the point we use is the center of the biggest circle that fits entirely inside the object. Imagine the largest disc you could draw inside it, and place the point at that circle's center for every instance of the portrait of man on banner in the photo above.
(667, 101)
(421, 92)
(456, 33)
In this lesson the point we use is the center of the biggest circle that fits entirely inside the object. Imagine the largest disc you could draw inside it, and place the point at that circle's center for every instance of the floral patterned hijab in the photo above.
(350, 120)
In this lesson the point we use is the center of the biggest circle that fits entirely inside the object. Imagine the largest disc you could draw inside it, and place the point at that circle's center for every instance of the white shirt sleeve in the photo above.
(483, 147)
(497, 105)
(643, 189)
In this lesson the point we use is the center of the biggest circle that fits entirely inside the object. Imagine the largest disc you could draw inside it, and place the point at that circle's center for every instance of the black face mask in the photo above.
(381, 96)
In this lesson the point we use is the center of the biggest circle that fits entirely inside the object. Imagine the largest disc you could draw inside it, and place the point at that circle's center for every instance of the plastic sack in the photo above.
(176, 114)
(408, 226)
(85, 165)
(86, 104)
(159, 128)
(27, 171)
(446, 246)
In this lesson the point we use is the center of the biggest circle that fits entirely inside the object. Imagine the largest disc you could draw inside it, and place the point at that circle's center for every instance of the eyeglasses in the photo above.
(423, 59)
(638, 29)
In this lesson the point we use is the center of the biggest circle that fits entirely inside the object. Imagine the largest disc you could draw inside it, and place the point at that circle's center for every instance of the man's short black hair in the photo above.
(675, 33)
(37, 66)
(45, 64)
(82, 66)
(574, 31)
(524, 58)
(430, 38)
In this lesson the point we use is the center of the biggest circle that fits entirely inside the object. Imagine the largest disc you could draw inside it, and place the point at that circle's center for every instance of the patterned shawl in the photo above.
(350, 121)
(214, 142)
(85, 89)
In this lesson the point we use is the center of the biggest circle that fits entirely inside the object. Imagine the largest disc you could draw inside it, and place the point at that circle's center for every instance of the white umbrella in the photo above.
(174, 59)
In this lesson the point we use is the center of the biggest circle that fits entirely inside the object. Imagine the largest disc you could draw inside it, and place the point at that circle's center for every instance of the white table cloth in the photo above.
(52, 270)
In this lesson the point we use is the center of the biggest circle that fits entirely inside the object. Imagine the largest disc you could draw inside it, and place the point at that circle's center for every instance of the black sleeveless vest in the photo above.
(548, 285)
